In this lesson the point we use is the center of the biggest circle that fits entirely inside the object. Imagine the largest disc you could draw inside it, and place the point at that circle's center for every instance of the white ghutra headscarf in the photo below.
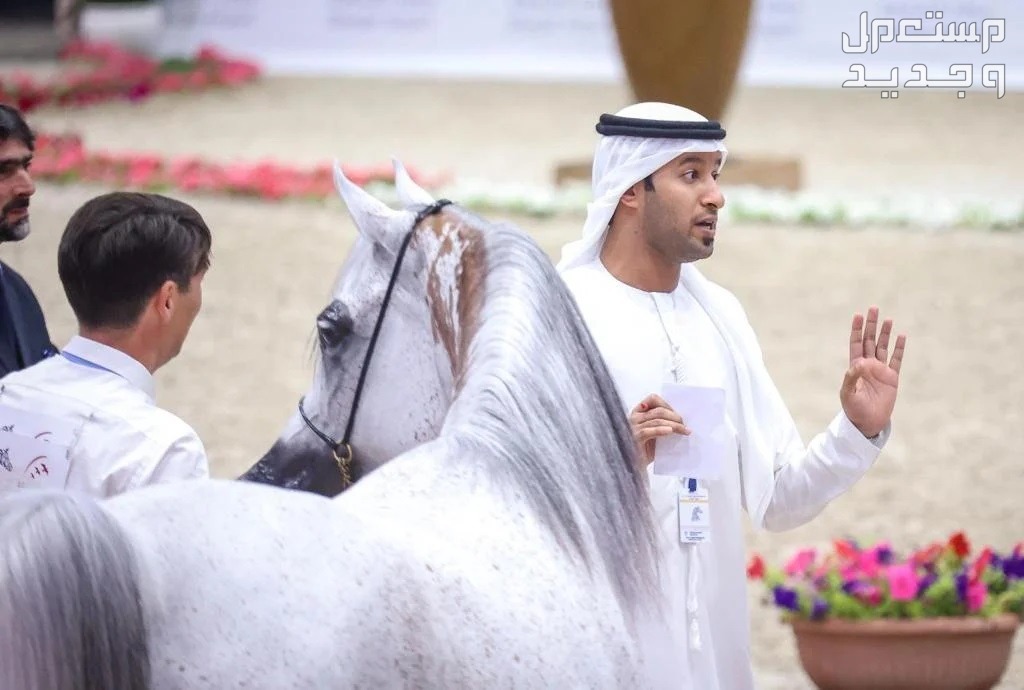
(623, 160)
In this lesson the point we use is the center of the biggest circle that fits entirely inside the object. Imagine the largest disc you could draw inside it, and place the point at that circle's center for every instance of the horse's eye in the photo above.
(333, 324)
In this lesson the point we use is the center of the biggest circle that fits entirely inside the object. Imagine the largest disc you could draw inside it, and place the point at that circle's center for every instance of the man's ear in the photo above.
(631, 197)
(164, 300)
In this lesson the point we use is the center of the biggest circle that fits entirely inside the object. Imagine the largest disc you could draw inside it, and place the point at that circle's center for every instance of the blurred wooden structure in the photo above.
(688, 52)
(760, 171)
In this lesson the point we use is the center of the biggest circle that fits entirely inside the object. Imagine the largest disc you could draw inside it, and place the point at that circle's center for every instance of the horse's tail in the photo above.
(71, 613)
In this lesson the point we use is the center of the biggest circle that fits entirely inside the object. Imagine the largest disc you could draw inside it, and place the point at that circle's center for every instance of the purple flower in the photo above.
(884, 554)
(851, 587)
(961, 587)
(925, 582)
(819, 609)
(786, 598)
(1013, 567)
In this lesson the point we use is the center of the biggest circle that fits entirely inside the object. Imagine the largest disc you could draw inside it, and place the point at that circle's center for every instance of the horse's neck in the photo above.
(533, 400)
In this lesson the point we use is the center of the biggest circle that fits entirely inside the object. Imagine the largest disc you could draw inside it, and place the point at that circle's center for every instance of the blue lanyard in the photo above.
(86, 363)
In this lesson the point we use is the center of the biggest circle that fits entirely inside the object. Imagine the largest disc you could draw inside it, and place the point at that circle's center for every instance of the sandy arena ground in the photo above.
(954, 461)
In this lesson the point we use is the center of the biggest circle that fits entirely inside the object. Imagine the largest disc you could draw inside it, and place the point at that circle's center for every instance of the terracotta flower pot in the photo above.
(919, 654)
(685, 52)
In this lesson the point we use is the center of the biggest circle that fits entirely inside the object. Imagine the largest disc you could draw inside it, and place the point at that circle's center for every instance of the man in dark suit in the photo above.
(24, 339)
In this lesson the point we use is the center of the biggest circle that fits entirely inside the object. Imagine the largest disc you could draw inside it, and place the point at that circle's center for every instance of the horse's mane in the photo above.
(537, 398)
(70, 598)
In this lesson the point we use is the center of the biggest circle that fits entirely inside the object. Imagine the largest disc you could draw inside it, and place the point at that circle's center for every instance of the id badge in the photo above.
(694, 516)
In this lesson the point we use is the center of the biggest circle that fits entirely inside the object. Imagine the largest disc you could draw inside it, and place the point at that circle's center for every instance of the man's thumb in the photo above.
(849, 382)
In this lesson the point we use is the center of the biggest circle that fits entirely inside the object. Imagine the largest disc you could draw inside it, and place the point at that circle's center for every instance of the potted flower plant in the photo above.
(867, 617)
(132, 24)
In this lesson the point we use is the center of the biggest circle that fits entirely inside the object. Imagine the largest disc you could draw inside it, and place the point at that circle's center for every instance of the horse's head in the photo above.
(389, 344)
(482, 344)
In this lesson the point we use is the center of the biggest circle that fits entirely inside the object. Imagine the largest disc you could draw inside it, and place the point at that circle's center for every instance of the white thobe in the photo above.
(645, 339)
(122, 440)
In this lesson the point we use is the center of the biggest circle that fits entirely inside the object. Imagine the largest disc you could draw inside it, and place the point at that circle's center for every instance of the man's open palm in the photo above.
(869, 390)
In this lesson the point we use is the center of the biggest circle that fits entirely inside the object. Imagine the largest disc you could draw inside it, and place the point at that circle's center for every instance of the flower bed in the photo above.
(113, 73)
(65, 159)
(107, 72)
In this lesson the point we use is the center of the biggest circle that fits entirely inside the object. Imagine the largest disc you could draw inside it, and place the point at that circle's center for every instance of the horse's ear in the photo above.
(409, 193)
(371, 215)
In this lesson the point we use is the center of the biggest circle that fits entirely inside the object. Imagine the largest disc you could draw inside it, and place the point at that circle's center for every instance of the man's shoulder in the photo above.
(33, 377)
(32, 322)
(15, 280)
(101, 401)
(577, 275)
(164, 429)
(721, 297)
(587, 283)
(168, 424)
(9, 270)
(149, 435)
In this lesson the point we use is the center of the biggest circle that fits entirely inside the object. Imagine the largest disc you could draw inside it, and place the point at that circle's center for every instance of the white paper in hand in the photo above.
(701, 454)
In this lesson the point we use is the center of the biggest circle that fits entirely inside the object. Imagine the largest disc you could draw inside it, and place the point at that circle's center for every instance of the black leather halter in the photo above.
(342, 450)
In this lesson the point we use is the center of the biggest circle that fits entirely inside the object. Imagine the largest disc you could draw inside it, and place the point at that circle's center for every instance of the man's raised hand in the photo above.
(868, 394)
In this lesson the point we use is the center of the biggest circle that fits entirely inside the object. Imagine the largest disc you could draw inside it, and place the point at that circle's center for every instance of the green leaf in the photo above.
(843, 605)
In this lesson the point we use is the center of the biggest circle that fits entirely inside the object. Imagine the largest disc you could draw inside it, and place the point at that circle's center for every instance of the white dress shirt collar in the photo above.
(125, 366)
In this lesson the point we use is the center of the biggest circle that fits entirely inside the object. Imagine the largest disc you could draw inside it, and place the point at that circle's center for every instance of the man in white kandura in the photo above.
(666, 331)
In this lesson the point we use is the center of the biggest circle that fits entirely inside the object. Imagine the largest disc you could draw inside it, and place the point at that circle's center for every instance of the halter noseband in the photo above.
(342, 450)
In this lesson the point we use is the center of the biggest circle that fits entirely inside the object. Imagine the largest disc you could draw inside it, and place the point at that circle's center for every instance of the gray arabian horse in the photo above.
(498, 534)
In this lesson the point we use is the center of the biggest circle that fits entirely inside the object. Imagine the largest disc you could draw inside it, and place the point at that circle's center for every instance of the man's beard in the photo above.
(18, 230)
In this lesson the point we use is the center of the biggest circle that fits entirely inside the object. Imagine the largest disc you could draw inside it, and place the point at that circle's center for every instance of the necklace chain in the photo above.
(678, 369)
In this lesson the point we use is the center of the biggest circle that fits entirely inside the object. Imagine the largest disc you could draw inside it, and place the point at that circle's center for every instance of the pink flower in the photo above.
(868, 562)
(980, 564)
(142, 171)
(800, 562)
(928, 555)
(846, 549)
(976, 595)
(237, 176)
(172, 81)
(902, 582)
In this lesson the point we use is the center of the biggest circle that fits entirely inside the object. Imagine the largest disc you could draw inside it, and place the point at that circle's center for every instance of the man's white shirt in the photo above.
(122, 440)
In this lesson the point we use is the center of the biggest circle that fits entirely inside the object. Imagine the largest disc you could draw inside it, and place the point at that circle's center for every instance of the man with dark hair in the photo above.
(24, 339)
(132, 267)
